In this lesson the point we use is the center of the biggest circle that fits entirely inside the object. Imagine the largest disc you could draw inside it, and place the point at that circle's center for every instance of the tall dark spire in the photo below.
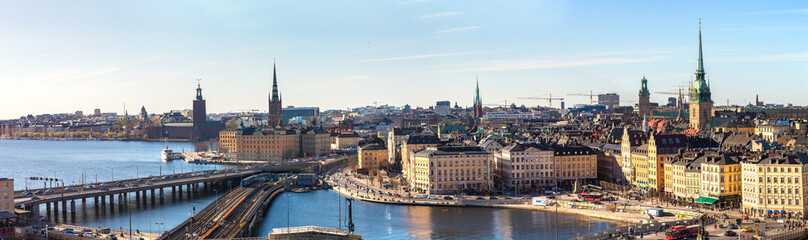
(198, 89)
(700, 68)
(275, 97)
(477, 99)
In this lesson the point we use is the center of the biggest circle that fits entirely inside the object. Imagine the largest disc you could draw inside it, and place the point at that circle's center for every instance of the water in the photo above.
(69, 160)
(384, 221)
(75, 162)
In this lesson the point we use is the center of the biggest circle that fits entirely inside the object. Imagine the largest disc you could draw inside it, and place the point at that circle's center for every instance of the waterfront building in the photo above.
(660, 147)
(610, 100)
(415, 143)
(478, 102)
(574, 163)
(644, 103)
(6, 195)
(450, 170)
(373, 156)
(275, 113)
(200, 118)
(524, 166)
(682, 177)
(774, 185)
(272, 145)
(701, 103)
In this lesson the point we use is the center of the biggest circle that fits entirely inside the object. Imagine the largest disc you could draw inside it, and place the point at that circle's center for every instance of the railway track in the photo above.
(226, 217)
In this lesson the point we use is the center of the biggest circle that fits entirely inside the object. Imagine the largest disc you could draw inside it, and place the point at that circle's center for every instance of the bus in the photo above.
(590, 196)
(682, 232)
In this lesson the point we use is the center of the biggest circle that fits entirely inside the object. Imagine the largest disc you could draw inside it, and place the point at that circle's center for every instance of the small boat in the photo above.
(167, 154)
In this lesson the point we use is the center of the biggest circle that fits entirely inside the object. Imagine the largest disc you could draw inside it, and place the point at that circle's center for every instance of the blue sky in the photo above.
(63, 56)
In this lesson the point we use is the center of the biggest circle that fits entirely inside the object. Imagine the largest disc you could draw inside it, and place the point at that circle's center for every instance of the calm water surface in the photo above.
(69, 160)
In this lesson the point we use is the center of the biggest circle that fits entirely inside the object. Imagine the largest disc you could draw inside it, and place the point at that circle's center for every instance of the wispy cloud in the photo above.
(412, 57)
(413, 1)
(546, 64)
(460, 29)
(436, 15)
(783, 11)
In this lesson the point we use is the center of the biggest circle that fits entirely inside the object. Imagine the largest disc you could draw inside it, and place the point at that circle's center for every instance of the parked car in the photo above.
(448, 198)
(26, 193)
(112, 237)
(730, 233)
(38, 192)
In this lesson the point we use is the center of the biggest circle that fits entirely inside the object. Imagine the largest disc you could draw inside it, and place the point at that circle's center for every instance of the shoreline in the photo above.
(621, 217)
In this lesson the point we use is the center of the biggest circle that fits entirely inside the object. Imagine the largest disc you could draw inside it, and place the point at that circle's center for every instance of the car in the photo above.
(71, 232)
(732, 226)
(551, 197)
(112, 237)
(747, 229)
(433, 197)
(480, 198)
(757, 221)
(104, 231)
(89, 187)
(103, 185)
(155, 178)
(148, 182)
(68, 189)
(493, 198)
(730, 233)
(34, 198)
(26, 193)
(448, 198)
(49, 191)
(38, 192)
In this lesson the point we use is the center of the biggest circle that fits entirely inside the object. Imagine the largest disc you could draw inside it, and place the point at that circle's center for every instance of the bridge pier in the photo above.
(64, 210)
(152, 196)
(103, 204)
(137, 198)
(112, 203)
(189, 190)
(73, 210)
(144, 197)
(161, 196)
(179, 192)
(47, 211)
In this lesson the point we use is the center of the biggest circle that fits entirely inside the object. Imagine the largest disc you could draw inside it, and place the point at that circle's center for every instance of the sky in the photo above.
(64, 56)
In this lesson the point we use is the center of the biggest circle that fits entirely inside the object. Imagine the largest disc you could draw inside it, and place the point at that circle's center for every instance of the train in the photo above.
(258, 178)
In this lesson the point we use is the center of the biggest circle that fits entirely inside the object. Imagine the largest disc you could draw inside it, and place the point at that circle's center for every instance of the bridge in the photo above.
(235, 214)
(143, 189)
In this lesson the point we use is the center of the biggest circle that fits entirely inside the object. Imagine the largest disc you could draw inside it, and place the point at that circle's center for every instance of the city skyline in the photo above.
(399, 52)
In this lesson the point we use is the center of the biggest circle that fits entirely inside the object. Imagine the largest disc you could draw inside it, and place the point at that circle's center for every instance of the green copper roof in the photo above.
(477, 99)
(700, 91)
(644, 88)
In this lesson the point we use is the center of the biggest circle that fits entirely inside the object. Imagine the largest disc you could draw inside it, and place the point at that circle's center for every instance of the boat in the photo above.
(167, 154)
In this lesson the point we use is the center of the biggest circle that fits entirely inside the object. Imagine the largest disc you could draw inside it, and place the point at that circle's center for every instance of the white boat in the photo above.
(168, 154)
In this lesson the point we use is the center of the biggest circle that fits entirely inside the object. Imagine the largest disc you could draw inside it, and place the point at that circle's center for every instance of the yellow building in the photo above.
(639, 167)
(720, 179)
(372, 156)
(661, 147)
(450, 170)
(413, 144)
(249, 143)
(7, 195)
(574, 162)
(631, 140)
(774, 185)
(346, 141)
(770, 132)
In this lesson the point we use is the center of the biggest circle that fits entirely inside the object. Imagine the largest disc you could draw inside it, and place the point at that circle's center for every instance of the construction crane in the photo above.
(549, 99)
(496, 104)
(590, 94)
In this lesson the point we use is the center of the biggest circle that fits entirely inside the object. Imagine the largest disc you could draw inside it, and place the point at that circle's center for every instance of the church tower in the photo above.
(200, 121)
(478, 102)
(701, 103)
(645, 99)
(275, 114)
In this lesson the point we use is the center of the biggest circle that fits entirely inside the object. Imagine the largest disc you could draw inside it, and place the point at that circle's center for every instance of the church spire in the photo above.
(275, 97)
(700, 68)
(477, 99)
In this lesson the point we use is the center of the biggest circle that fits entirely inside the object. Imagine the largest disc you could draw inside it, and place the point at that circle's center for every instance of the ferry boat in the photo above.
(168, 154)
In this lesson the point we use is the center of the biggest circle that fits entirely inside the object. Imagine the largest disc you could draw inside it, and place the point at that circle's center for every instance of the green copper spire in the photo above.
(644, 88)
(700, 91)
(198, 90)
(477, 99)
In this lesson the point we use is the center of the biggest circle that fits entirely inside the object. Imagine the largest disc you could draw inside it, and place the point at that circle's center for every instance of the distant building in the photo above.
(309, 114)
(250, 143)
(97, 112)
(574, 163)
(415, 143)
(200, 116)
(524, 166)
(6, 195)
(443, 108)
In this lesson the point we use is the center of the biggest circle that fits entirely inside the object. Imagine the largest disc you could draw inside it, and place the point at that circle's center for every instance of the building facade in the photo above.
(451, 170)
(644, 102)
(661, 147)
(373, 157)
(415, 143)
(774, 185)
(524, 166)
(7, 195)
(250, 143)
(573, 163)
